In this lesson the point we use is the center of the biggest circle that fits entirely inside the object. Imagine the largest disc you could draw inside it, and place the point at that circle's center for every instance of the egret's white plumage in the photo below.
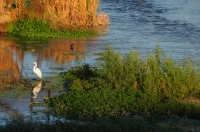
(36, 89)
(37, 70)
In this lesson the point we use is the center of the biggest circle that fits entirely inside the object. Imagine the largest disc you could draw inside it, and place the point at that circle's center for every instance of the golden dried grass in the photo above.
(62, 14)
(69, 13)
(11, 8)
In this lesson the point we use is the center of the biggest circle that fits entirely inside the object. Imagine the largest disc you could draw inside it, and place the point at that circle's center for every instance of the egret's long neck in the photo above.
(35, 66)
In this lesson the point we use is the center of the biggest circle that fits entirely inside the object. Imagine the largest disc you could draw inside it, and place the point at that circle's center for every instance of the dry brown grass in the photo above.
(9, 11)
(70, 13)
(62, 14)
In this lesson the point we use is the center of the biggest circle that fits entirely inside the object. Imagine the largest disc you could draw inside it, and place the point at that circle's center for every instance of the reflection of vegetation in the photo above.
(13, 91)
(24, 87)
(9, 69)
(30, 44)
(54, 83)
(131, 85)
(56, 68)
(31, 41)
(73, 53)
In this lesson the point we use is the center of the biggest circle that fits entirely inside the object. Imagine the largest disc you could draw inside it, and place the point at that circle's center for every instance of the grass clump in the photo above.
(131, 84)
(40, 28)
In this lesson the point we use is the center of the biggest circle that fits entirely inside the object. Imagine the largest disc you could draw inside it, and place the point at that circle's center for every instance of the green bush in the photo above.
(29, 27)
(103, 102)
(131, 83)
(95, 102)
(156, 75)
(177, 107)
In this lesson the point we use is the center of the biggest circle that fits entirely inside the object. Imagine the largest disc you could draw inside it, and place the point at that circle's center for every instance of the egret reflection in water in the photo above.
(37, 89)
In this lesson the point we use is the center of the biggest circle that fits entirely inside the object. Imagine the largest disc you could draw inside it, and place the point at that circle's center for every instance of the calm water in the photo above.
(174, 25)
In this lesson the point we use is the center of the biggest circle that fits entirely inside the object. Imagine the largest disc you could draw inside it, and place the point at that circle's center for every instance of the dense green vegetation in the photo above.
(123, 93)
(131, 84)
(40, 28)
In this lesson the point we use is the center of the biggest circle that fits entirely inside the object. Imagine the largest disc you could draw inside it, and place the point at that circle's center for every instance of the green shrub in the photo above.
(81, 78)
(29, 27)
(95, 102)
(177, 107)
(132, 83)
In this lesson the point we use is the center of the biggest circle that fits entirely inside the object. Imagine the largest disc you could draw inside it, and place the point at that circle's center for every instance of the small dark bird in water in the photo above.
(72, 46)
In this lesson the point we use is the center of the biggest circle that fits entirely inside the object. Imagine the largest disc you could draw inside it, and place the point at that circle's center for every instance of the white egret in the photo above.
(37, 70)
(36, 89)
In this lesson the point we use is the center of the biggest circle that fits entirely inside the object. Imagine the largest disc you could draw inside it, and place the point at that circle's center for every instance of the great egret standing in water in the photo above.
(37, 70)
